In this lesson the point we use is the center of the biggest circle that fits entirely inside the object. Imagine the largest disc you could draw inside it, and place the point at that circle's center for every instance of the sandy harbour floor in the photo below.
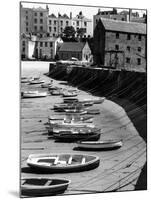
(118, 170)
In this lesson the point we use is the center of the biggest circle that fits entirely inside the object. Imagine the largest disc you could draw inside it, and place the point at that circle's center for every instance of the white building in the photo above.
(82, 22)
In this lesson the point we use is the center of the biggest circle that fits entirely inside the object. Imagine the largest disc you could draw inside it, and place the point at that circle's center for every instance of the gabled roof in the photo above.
(123, 26)
(52, 16)
(39, 9)
(72, 46)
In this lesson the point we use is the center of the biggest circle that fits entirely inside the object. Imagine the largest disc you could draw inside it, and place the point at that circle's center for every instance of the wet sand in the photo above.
(119, 169)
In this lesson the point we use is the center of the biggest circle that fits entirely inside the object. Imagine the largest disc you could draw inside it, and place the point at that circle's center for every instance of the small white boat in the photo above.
(33, 94)
(99, 145)
(62, 162)
(46, 85)
(69, 94)
(71, 124)
(43, 186)
(33, 82)
(75, 111)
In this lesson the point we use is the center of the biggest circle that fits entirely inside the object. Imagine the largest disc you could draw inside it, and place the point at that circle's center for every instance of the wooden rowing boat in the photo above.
(33, 82)
(33, 94)
(99, 145)
(43, 186)
(62, 162)
(68, 136)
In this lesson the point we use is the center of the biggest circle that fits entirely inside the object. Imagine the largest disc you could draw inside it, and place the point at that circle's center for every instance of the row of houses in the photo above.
(38, 20)
(117, 44)
(52, 48)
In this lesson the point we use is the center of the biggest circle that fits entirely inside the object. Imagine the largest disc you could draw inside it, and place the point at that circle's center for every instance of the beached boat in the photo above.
(46, 85)
(99, 145)
(70, 100)
(62, 162)
(75, 111)
(93, 111)
(43, 186)
(68, 136)
(56, 92)
(33, 82)
(71, 124)
(69, 94)
(33, 94)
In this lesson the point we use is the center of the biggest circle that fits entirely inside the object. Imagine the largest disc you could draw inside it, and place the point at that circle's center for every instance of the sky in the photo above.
(86, 10)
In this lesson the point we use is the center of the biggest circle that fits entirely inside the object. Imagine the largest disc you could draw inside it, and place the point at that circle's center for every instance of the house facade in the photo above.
(28, 44)
(78, 50)
(56, 25)
(46, 47)
(121, 45)
(80, 21)
(34, 20)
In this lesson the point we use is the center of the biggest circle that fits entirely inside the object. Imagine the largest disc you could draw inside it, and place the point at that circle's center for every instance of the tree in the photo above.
(69, 31)
(81, 32)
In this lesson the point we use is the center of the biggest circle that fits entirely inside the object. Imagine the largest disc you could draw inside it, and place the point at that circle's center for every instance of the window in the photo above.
(138, 61)
(139, 37)
(117, 47)
(85, 23)
(41, 21)
(128, 48)
(117, 35)
(128, 60)
(26, 29)
(50, 44)
(139, 49)
(55, 29)
(35, 14)
(26, 17)
(23, 49)
(61, 29)
(23, 43)
(26, 23)
(96, 21)
(77, 23)
(35, 20)
(54, 22)
(67, 23)
(35, 28)
(45, 44)
(41, 14)
(122, 19)
(61, 23)
(50, 28)
(41, 28)
(49, 22)
(128, 36)
(114, 18)
(77, 28)
(26, 12)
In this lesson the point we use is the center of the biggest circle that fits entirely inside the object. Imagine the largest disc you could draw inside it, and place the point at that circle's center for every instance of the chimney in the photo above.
(70, 15)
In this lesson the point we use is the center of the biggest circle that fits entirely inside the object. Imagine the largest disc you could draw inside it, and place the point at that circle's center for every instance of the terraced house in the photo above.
(120, 44)
(56, 25)
(34, 20)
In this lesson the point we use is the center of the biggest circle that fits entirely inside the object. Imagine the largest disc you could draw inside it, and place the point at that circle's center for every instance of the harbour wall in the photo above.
(127, 88)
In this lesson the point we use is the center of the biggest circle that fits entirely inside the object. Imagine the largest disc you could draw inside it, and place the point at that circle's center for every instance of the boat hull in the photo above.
(92, 163)
(99, 146)
(35, 187)
(76, 137)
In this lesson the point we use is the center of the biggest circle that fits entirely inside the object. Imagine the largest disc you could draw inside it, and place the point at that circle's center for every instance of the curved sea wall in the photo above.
(105, 82)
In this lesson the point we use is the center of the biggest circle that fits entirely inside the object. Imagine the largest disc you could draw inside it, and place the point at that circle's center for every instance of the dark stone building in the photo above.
(120, 44)
(79, 50)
